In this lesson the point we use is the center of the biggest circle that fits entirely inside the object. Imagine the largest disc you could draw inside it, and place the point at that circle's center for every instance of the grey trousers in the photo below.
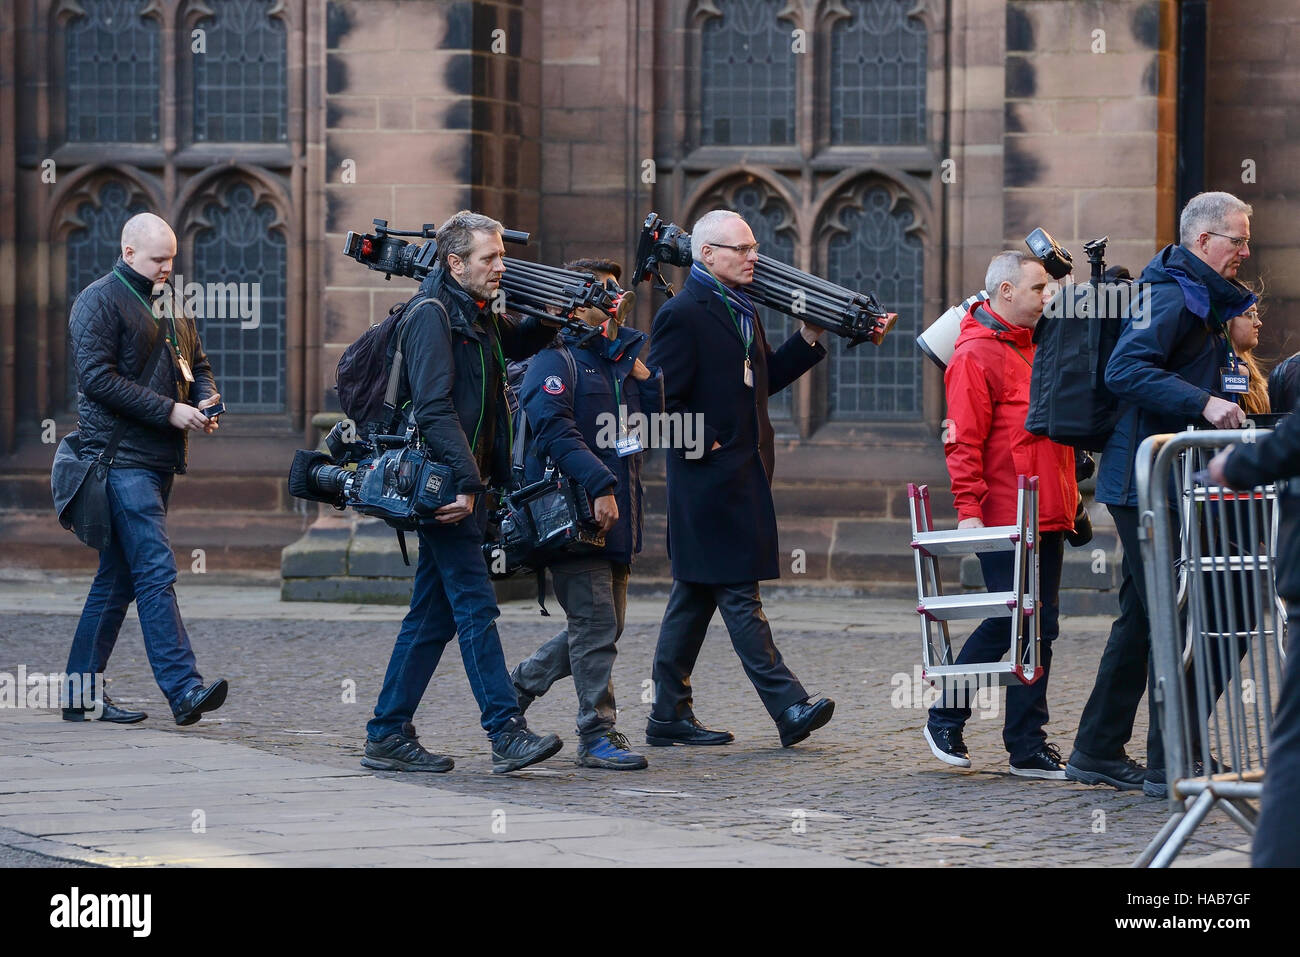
(593, 594)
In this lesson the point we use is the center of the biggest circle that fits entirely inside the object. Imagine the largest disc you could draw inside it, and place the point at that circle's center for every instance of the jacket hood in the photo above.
(1206, 293)
(972, 328)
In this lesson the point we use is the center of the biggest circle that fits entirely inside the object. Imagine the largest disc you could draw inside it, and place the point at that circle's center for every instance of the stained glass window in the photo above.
(94, 247)
(112, 71)
(240, 84)
(747, 76)
(763, 216)
(877, 255)
(242, 325)
(878, 65)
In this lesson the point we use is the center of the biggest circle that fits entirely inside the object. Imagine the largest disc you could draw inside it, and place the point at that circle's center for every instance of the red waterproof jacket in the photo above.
(987, 447)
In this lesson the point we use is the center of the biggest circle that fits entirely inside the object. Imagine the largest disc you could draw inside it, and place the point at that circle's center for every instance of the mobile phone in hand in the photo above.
(213, 411)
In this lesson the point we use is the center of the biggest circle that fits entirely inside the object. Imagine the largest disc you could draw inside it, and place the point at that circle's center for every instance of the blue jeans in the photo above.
(452, 597)
(1022, 731)
(138, 566)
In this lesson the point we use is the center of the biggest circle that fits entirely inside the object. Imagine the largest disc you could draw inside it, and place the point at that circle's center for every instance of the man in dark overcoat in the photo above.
(719, 370)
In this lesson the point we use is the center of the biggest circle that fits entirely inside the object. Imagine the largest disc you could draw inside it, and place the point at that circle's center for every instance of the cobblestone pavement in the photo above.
(865, 787)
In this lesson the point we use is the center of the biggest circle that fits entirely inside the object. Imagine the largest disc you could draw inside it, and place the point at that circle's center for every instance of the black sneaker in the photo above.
(517, 747)
(1122, 772)
(947, 746)
(402, 752)
(1045, 763)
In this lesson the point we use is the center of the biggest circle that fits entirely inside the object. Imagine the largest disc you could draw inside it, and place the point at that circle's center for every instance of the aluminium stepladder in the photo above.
(937, 609)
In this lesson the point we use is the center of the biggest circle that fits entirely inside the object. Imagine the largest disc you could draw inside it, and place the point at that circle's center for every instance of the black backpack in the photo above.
(369, 371)
(1068, 399)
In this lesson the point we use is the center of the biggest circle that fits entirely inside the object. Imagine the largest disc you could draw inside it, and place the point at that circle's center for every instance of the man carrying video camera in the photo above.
(717, 364)
(455, 345)
(570, 402)
(1167, 370)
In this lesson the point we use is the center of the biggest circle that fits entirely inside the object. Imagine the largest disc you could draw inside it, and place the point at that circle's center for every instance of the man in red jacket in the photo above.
(987, 447)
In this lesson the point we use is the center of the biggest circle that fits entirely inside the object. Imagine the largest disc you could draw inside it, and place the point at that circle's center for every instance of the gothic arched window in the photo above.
(112, 72)
(765, 217)
(94, 246)
(242, 324)
(240, 85)
(747, 76)
(878, 66)
(875, 250)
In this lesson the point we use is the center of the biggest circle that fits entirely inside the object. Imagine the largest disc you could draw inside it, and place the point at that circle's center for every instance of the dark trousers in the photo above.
(681, 635)
(1277, 836)
(593, 594)
(452, 597)
(138, 566)
(1125, 671)
(1027, 715)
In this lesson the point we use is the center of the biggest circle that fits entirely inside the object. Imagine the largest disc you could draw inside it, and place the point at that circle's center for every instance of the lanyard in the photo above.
(732, 313)
(171, 337)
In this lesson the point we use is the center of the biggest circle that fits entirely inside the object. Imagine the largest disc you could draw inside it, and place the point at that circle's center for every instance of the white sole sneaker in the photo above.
(1040, 773)
(943, 755)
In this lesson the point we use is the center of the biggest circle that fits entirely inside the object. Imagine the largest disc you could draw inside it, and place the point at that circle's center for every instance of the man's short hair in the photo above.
(1005, 267)
(1209, 212)
(708, 229)
(596, 265)
(456, 235)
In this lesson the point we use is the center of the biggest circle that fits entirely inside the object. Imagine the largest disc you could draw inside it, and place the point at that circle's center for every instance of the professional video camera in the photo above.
(392, 477)
(858, 317)
(535, 523)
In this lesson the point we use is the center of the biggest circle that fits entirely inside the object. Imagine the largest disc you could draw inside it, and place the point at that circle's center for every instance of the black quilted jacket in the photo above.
(112, 335)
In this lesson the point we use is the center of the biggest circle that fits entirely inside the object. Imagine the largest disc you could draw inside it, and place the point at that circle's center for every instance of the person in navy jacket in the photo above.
(1167, 370)
(719, 369)
(575, 406)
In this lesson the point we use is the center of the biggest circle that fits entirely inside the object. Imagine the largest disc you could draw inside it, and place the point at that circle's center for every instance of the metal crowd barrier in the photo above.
(1218, 631)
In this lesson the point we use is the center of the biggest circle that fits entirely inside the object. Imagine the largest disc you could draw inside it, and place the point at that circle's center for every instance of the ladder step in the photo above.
(965, 541)
(999, 672)
(1235, 563)
(992, 604)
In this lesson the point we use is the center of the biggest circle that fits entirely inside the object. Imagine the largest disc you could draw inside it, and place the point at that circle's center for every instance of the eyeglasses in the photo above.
(1237, 241)
(744, 248)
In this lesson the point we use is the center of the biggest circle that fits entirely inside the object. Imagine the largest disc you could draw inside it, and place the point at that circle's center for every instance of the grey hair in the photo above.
(1005, 267)
(456, 235)
(707, 230)
(1208, 212)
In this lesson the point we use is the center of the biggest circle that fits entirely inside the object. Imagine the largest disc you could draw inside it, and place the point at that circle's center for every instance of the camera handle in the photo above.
(1096, 253)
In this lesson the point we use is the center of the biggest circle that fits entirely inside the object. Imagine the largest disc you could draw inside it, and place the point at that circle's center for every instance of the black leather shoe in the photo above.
(1123, 772)
(802, 719)
(111, 713)
(199, 701)
(664, 734)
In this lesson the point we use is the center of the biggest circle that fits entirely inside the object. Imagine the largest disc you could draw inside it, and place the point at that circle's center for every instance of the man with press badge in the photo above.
(143, 385)
(717, 364)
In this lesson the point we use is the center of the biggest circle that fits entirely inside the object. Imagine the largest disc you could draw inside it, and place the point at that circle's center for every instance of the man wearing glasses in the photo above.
(1173, 364)
(717, 364)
